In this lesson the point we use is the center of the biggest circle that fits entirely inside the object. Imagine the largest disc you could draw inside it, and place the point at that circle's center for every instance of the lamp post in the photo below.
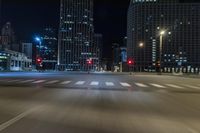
(38, 52)
(161, 47)
(38, 40)
(141, 46)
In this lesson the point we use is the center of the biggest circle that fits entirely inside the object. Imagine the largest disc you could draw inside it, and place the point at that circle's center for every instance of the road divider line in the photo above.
(94, 83)
(14, 120)
(125, 84)
(157, 85)
(141, 85)
(80, 83)
(109, 84)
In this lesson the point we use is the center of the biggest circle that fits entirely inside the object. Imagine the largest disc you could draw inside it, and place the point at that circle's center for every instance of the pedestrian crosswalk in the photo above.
(192, 86)
(125, 84)
(80, 83)
(96, 83)
(174, 86)
(157, 85)
(39, 81)
(110, 84)
(141, 85)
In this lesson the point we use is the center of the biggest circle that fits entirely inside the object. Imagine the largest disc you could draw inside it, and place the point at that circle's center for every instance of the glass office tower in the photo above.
(181, 43)
(76, 35)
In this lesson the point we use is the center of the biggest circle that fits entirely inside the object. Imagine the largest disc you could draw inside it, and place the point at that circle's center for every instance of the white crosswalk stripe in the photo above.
(65, 82)
(94, 83)
(174, 86)
(27, 81)
(125, 84)
(193, 87)
(80, 83)
(157, 85)
(141, 85)
(52, 82)
(109, 84)
(38, 81)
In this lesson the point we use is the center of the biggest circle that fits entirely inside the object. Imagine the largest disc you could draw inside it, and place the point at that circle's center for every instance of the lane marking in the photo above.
(80, 83)
(174, 86)
(125, 84)
(157, 85)
(141, 85)
(109, 84)
(39, 81)
(14, 120)
(65, 82)
(94, 83)
(193, 87)
(52, 82)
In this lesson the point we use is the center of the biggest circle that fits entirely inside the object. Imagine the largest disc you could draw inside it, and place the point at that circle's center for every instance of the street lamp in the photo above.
(162, 33)
(38, 59)
(141, 46)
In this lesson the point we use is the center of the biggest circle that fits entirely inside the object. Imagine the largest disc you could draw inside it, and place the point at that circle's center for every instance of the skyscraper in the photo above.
(181, 44)
(98, 42)
(49, 48)
(7, 36)
(75, 34)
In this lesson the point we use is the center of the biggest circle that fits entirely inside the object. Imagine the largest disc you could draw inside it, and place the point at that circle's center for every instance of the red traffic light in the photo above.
(39, 60)
(130, 62)
(89, 61)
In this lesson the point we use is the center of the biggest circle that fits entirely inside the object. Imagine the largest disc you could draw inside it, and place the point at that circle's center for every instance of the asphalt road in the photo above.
(98, 103)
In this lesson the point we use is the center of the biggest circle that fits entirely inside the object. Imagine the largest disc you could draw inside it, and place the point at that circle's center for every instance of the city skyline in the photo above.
(31, 17)
(54, 77)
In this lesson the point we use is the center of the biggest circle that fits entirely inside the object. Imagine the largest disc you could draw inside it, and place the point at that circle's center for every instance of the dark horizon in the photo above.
(30, 17)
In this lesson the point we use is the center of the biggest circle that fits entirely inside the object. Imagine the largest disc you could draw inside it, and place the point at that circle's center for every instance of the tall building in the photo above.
(7, 36)
(98, 43)
(27, 49)
(180, 45)
(49, 48)
(115, 54)
(75, 34)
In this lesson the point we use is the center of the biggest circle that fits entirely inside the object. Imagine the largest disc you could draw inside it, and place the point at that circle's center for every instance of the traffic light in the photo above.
(38, 60)
(130, 62)
(89, 61)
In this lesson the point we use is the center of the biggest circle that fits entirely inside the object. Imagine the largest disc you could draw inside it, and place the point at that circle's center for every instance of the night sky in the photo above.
(29, 17)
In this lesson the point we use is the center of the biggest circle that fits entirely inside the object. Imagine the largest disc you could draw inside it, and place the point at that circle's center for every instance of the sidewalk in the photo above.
(169, 74)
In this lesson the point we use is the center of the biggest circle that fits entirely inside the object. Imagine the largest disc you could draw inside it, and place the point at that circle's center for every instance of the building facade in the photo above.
(181, 43)
(75, 35)
(49, 48)
(98, 42)
(27, 49)
(14, 61)
(8, 38)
